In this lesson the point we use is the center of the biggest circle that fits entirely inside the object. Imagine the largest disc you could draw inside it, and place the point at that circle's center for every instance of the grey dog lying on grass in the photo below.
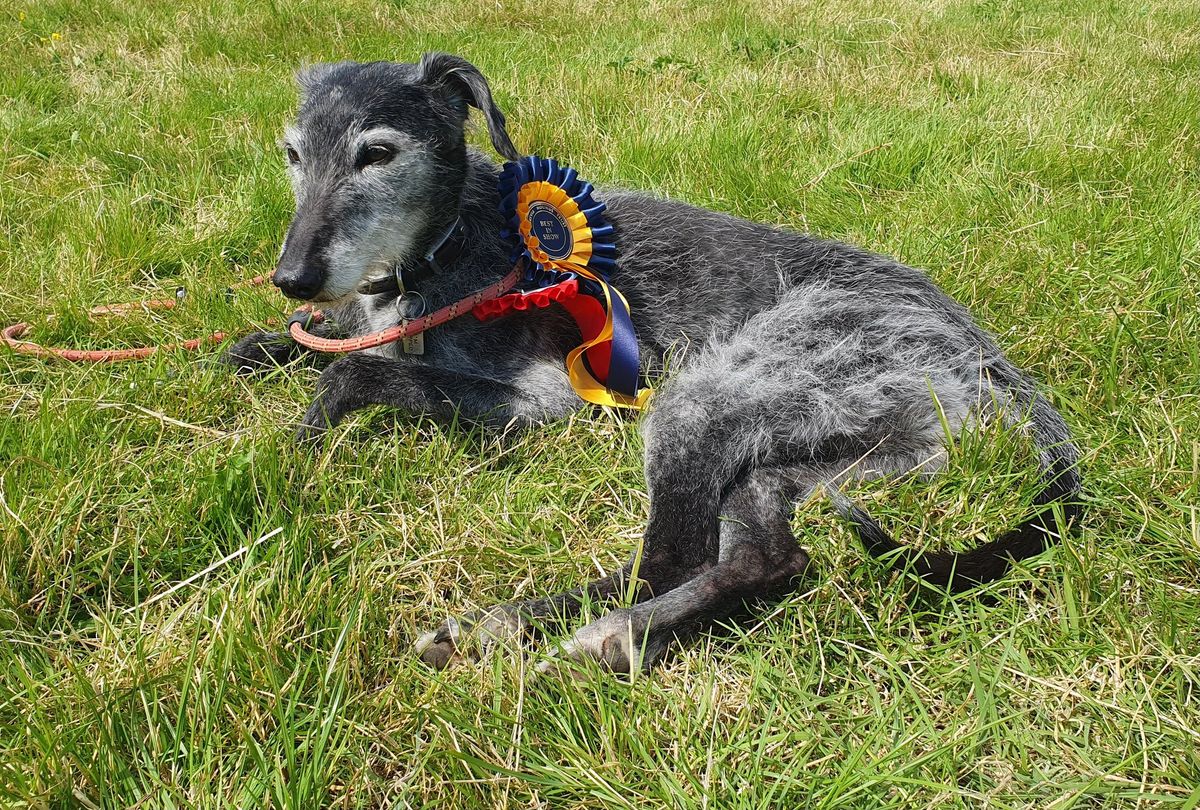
(797, 362)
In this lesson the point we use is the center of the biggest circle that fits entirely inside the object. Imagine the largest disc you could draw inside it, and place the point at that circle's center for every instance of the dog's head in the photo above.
(377, 159)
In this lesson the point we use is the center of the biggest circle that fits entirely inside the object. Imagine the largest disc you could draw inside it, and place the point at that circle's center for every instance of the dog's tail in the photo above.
(1057, 508)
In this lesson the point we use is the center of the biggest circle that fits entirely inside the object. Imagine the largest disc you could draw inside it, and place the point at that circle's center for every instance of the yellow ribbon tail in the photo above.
(592, 390)
(587, 386)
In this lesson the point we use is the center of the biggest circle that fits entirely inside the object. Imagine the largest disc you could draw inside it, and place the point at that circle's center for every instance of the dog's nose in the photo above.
(293, 284)
(301, 270)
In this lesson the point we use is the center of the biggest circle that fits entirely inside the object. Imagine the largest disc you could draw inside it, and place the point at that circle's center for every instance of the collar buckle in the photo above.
(448, 247)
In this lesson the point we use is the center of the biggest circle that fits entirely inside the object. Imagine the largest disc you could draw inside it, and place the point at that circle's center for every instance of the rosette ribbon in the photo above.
(552, 219)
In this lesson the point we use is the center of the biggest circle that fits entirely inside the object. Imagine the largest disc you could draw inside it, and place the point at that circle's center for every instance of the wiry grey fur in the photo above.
(797, 361)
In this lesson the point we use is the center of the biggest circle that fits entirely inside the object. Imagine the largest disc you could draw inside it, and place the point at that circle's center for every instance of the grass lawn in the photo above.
(1040, 159)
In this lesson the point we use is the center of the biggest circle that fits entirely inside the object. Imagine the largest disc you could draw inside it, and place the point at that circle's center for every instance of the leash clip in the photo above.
(305, 318)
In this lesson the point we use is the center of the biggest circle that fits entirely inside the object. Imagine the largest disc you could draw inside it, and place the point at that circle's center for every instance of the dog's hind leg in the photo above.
(681, 543)
(758, 558)
(478, 633)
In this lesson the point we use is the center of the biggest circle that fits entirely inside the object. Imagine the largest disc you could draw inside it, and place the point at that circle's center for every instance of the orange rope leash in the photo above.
(408, 328)
(12, 335)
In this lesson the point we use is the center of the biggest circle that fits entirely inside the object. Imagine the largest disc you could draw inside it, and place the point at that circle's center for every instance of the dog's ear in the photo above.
(461, 79)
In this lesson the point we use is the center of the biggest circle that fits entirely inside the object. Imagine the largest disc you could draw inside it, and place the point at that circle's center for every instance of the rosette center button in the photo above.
(550, 228)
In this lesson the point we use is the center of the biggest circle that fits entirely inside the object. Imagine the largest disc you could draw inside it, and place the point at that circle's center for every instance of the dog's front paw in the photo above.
(259, 353)
(322, 416)
(476, 636)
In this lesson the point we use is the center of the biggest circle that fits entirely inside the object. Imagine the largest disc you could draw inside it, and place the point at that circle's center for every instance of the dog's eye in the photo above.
(377, 154)
(293, 156)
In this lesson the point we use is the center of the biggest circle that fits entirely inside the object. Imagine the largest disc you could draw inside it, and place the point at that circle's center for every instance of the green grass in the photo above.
(1040, 159)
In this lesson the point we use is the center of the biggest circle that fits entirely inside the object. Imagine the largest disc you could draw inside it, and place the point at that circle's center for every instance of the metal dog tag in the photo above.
(414, 344)
(411, 306)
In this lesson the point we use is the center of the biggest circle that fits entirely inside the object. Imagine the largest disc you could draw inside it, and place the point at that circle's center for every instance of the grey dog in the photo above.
(795, 362)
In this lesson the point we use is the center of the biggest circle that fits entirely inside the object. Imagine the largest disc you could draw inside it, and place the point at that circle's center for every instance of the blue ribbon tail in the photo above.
(623, 360)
